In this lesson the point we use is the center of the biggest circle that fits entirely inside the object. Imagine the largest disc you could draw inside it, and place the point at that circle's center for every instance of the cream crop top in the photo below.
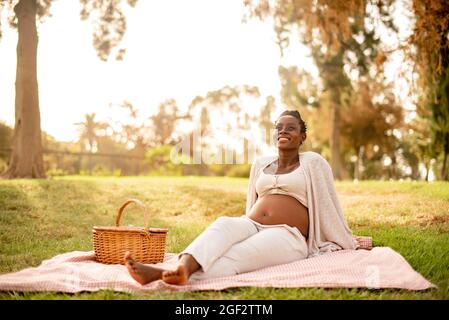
(292, 184)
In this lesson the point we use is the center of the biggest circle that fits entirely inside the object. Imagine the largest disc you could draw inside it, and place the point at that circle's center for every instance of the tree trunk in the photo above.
(359, 163)
(335, 82)
(427, 165)
(26, 158)
(356, 164)
(444, 168)
(393, 166)
(334, 141)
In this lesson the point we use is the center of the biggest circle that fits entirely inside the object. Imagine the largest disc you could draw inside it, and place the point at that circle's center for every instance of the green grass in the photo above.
(42, 218)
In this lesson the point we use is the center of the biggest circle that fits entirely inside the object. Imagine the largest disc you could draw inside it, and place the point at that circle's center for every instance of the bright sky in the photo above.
(175, 49)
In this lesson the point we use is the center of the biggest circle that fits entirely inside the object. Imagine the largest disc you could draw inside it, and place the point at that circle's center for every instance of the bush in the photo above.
(3, 165)
(101, 171)
(159, 161)
(56, 172)
(239, 170)
(117, 173)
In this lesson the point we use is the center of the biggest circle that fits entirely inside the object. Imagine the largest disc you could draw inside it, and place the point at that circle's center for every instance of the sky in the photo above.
(174, 49)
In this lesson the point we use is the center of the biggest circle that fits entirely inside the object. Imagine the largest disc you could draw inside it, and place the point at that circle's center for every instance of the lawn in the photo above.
(42, 218)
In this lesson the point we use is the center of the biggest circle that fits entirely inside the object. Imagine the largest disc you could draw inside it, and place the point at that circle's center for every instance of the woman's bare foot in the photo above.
(145, 273)
(186, 266)
(142, 273)
(179, 276)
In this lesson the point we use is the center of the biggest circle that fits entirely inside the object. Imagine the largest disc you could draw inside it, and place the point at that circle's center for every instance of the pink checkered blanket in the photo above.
(381, 267)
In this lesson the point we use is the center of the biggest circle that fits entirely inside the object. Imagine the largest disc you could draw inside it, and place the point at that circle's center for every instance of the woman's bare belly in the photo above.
(281, 209)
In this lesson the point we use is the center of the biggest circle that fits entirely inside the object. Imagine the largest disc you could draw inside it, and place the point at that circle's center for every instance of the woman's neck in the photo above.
(287, 158)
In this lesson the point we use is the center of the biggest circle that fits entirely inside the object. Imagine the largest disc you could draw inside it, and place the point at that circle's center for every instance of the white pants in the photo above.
(233, 245)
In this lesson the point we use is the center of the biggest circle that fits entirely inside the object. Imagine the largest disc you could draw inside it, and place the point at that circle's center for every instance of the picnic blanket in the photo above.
(77, 271)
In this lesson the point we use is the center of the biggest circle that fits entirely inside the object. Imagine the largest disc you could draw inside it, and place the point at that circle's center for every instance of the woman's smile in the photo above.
(283, 139)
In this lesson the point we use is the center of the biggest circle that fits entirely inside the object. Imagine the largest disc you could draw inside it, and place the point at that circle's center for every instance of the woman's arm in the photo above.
(251, 194)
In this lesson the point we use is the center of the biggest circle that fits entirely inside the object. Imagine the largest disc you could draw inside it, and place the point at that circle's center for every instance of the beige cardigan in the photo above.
(328, 229)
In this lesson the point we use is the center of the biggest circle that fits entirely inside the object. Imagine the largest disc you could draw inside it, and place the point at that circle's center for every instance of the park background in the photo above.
(94, 96)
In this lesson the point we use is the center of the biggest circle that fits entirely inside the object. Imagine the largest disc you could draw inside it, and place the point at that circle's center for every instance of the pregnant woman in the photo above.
(292, 213)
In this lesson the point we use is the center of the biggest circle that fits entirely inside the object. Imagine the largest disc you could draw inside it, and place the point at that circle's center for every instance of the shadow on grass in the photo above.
(40, 218)
(18, 219)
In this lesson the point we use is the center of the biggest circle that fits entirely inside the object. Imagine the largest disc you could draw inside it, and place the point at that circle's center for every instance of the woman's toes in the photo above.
(177, 276)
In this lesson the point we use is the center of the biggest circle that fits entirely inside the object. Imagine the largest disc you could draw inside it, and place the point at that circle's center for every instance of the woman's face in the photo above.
(288, 133)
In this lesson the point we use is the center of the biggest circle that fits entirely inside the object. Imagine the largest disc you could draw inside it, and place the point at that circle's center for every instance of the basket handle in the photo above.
(139, 203)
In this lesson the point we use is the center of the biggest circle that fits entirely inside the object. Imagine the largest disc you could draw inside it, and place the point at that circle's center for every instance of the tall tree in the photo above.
(265, 121)
(419, 138)
(89, 135)
(89, 132)
(430, 37)
(131, 129)
(229, 104)
(303, 92)
(372, 112)
(371, 122)
(325, 26)
(335, 82)
(5, 142)
(26, 157)
(164, 122)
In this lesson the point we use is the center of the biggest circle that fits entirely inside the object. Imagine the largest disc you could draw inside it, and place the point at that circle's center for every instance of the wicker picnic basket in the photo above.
(147, 245)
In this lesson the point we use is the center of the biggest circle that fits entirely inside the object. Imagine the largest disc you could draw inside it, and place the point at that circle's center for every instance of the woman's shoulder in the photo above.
(313, 158)
(304, 156)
